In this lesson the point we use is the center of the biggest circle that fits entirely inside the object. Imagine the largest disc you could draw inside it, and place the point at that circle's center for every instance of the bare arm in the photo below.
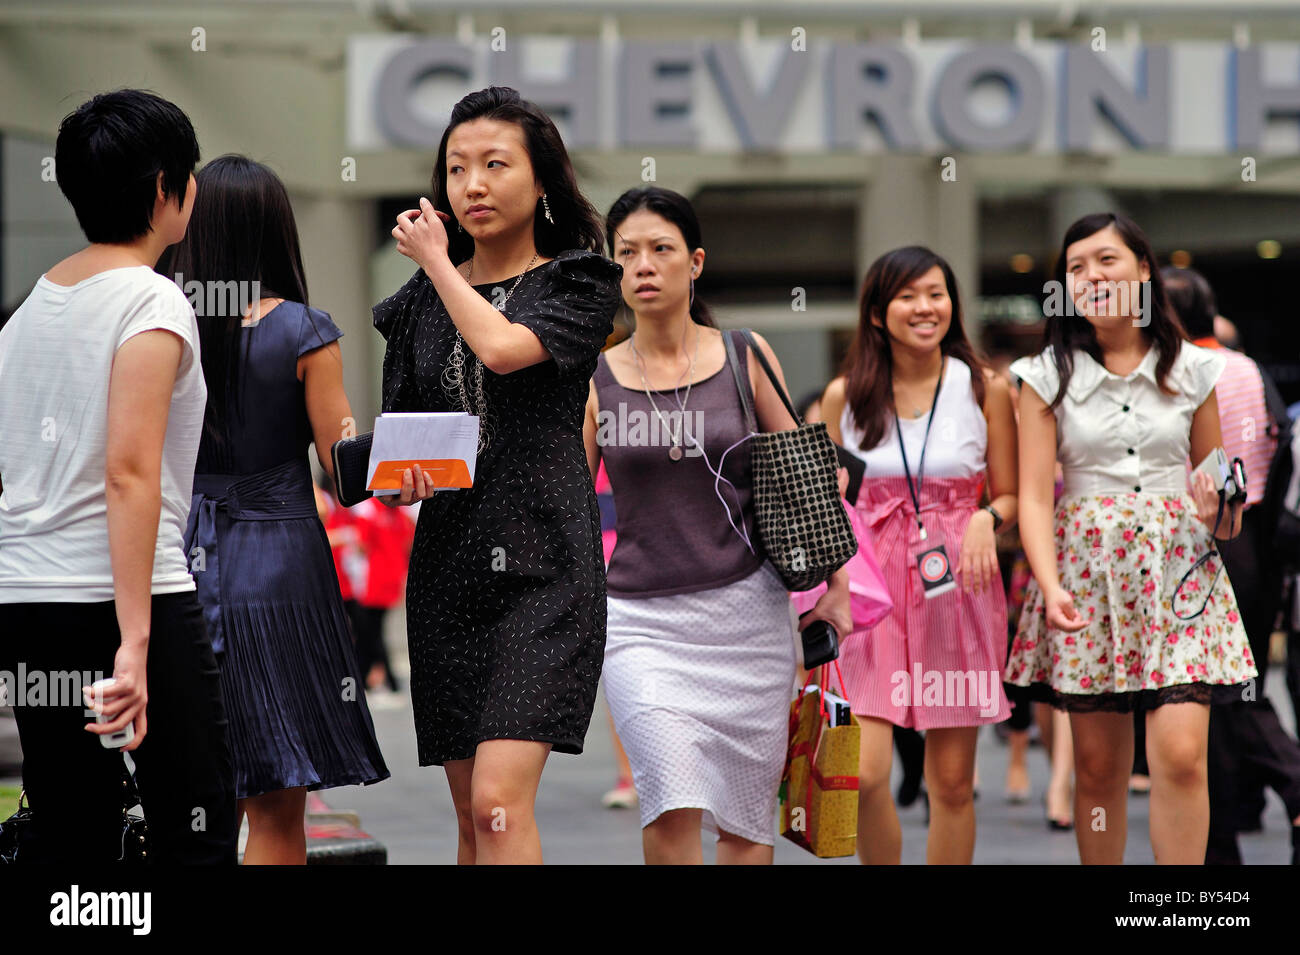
(1002, 454)
(1037, 482)
(501, 345)
(1207, 434)
(833, 402)
(589, 431)
(321, 371)
(769, 409)
(139, 399)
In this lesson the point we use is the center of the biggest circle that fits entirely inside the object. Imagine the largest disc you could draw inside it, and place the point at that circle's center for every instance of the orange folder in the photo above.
(446, 473)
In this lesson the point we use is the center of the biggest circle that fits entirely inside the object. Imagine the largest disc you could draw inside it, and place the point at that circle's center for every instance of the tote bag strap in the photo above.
(847, 459)
(771, 375)
(745, 403)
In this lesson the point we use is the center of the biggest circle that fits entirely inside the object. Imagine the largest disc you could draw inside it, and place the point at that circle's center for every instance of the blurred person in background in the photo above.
(623, 795)
(1225, 332)
(259, 555)
(383, 540)
(1053, 725)
(1248, 747)
(1014, 571)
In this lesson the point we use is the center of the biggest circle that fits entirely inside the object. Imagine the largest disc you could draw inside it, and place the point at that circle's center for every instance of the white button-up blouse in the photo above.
(1117, 433)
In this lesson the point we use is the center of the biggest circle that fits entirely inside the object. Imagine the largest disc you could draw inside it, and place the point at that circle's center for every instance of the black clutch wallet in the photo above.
(857, 471)
(351, 462)
(821, 644)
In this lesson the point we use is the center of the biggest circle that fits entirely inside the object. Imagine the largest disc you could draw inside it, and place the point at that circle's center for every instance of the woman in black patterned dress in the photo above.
(506, 596)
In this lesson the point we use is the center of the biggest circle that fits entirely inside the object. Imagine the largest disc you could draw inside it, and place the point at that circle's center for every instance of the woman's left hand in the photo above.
(420, 234)
(978, 567)
(833, 607)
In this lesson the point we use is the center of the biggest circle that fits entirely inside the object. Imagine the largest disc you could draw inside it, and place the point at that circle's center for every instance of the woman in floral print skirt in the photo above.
(1120, 621)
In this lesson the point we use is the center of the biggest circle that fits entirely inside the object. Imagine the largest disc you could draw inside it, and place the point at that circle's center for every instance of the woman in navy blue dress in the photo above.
(258, 552)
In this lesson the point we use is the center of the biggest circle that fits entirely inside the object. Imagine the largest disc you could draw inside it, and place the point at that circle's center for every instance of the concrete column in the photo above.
(1069, 203)
(908, 202)
(336, 239)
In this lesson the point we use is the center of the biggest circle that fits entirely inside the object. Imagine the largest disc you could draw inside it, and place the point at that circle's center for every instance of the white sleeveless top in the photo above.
(958, 438)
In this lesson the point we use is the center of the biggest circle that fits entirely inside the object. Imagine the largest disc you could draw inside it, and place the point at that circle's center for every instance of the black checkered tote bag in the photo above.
(801, 522)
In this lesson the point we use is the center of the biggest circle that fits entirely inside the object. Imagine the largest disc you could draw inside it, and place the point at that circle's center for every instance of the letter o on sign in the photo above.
(1025, 91)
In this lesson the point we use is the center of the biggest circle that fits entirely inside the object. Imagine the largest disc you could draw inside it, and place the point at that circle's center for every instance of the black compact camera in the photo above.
(821, 644)
(1234, 487)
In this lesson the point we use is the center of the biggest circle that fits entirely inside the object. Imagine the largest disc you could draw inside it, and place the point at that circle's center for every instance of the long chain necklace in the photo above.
(453, 376)
(675, 452)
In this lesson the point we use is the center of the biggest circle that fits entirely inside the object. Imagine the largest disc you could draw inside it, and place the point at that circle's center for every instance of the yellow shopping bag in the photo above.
(819, 788)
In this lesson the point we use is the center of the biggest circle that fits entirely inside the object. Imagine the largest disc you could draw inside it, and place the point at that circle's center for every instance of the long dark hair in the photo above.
(577, 223)
(675, 208)
(1068, 332)
(869, 365)
(242, 230)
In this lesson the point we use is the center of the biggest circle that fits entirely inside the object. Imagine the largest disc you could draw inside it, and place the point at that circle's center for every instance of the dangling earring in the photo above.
(691, 303)
(459, 227)
(546, 209)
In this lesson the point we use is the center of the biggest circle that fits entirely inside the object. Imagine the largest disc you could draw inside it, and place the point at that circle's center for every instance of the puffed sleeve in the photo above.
(1201, 368)
(317, 330)
(394, 318)
(1038, 372)
(575, 315)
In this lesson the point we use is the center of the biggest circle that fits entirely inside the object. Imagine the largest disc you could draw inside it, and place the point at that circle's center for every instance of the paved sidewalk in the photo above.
(411, 813)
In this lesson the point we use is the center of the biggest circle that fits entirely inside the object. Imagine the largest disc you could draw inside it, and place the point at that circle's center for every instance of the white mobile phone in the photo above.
(110, 740)
(1217, 467)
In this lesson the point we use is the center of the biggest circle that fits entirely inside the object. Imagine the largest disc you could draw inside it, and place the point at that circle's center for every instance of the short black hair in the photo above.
(108, 156)
(1192, 298)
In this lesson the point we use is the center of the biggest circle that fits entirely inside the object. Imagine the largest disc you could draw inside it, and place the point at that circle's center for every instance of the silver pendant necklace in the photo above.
(453, 376)
(918, 412)
(675, 452)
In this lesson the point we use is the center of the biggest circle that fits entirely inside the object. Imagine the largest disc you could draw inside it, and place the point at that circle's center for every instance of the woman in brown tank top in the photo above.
(699, 653)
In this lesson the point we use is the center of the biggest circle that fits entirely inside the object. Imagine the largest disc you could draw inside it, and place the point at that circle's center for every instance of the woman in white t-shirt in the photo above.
(102, 398)
(1115, 624)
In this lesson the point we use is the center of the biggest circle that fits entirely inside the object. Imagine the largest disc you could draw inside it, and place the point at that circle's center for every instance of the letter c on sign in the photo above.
(394, 114)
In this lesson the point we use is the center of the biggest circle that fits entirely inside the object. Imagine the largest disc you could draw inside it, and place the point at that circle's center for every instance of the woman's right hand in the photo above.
(1061, 613)
(416, 486)
(127, 699)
